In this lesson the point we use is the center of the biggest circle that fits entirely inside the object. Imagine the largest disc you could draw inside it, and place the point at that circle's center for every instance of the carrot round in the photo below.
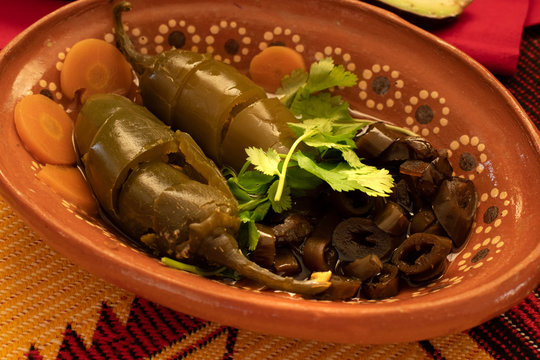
(270, 66)
(94, 66)
(45, 129)
(69, 183)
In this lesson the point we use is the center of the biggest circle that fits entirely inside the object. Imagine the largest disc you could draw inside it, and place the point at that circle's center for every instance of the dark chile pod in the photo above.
(357, 237)
(363, 268)
(422, 256)
(392, 219)
(374, 140)
(265, 252)
(351, 203)
(383, 285)
(455, 207)
(286, 263)
(319, 254)
(341, 288)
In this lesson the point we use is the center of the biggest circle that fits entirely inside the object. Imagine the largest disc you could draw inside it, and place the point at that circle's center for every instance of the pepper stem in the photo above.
(139, 62)
(222, 250)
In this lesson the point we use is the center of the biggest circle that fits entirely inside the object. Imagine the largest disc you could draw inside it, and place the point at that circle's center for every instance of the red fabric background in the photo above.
(488, 30)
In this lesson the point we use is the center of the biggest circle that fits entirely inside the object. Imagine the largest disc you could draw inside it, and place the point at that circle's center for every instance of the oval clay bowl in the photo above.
(429, 87)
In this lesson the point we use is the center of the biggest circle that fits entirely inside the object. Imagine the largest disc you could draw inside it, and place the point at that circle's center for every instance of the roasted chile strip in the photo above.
(188, 218)
(222, 109)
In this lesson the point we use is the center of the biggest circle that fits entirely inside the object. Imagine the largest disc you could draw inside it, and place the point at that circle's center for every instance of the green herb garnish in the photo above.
(322, 152)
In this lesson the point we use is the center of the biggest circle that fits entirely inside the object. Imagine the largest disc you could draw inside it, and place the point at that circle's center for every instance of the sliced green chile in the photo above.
(186, 203)
(198, 161)
(208, 214)
(208, 100)
(118, 147)
(139, 192)
(96, 111)
(160, 87)
(262, 124)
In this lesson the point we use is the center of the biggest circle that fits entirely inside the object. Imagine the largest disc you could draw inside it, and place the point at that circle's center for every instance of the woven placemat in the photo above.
(52, 309)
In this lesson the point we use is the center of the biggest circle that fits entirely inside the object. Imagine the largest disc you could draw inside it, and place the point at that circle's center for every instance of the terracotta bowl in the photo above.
(491, 141)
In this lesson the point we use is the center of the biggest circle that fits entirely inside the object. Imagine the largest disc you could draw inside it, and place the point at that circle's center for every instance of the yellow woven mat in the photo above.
(45, 299)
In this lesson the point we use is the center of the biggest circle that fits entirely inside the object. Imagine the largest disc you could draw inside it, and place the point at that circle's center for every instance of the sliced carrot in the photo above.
(270, 66)
(69, 183)
(45, 129)
(94, 66)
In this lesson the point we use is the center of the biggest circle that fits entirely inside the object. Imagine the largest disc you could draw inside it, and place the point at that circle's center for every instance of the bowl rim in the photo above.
(182, 291)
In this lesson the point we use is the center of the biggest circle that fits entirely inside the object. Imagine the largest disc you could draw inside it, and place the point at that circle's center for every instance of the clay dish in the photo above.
(429, 87)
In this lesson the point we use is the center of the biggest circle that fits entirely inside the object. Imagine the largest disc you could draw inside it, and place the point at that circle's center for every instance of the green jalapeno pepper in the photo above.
(212, 101)
(158, 187)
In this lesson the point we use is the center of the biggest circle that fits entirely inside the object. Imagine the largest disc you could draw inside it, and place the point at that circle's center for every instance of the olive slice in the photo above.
(455, 207)
(357, 237)
(422, 256)
(351, 203)
(383, 285)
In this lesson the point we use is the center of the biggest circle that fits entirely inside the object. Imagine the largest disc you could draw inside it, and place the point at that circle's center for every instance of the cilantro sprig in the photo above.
(322, 152)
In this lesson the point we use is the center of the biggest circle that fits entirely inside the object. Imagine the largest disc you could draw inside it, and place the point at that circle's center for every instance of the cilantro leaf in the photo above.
(325, 75)
(254, 182)
(266, 162)
(281, 203)
(290, 85)
(321, 105)
(343, 177)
